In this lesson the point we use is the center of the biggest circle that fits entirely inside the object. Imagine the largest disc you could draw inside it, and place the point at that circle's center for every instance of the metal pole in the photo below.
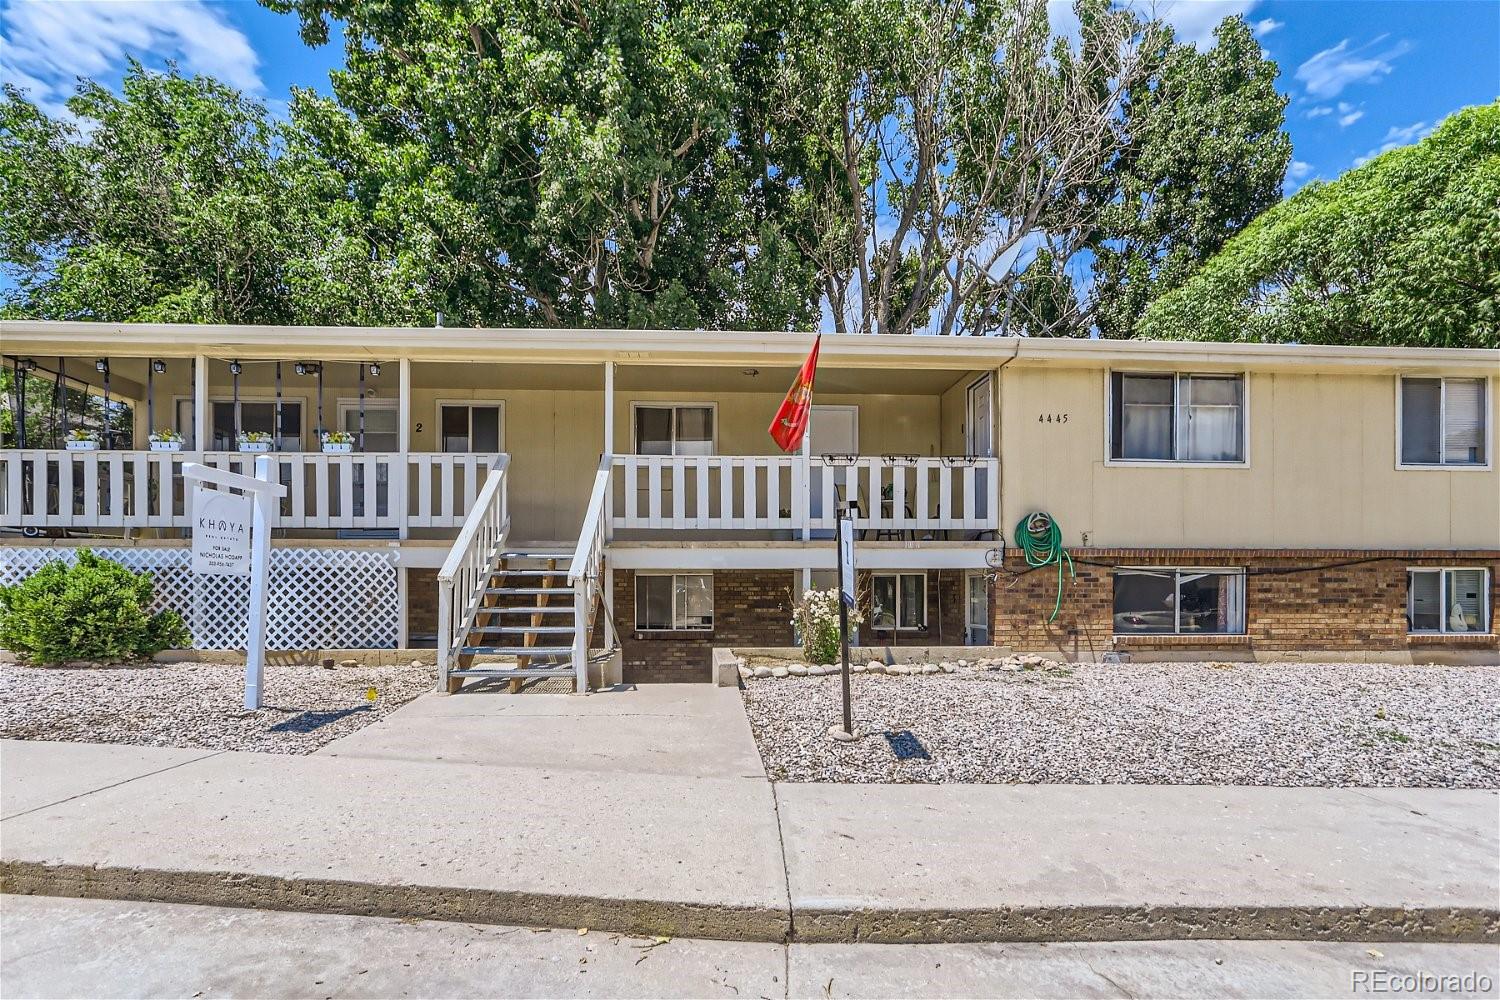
(20, 404)
(150, 399)
(62, 387)
(260, 558)
(361, 406)
(109, 436)
(277, 436)
(320, 403)
(843, 524)
(234, 371)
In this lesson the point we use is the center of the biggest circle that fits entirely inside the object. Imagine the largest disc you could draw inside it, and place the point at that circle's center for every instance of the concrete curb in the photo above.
(639, 917)
(1460, 925)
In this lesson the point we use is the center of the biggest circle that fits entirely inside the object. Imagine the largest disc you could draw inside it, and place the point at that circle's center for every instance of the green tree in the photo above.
(1404, 250)
(539, 164)
(1170, 202)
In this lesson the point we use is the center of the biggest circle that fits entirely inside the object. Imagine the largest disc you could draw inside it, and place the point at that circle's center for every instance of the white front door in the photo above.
(833, 430)
(979, 422)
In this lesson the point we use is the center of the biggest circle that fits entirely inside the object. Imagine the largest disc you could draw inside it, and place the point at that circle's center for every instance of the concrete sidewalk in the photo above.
(647, 812)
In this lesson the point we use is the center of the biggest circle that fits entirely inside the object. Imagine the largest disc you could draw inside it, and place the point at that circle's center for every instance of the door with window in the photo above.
(376, 428)
(257, 415)
(979, 437)
(672, 429)
(976, 609)
(831, 430)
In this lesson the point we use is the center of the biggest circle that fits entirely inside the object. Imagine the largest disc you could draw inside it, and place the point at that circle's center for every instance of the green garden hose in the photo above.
(1040, 539)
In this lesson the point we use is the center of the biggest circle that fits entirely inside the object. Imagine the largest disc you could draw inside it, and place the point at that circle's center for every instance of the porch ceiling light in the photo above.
(752, 372)
(102, 366)
(235, 368)
(158, 365)
(25, 364)
(375, 368)
(307, 368)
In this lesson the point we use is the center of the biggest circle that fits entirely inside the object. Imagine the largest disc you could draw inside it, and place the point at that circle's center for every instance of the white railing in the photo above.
(907, 493)
(466, 572)
(787, 492)
(143, 489)
(710, 492)
(586, 572)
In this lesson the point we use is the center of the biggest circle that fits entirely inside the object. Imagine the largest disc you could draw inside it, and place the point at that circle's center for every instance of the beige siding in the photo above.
(1321, 472)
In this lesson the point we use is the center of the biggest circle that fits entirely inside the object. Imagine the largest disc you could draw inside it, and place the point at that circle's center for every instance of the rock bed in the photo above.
(1303, 724)
(200, 705)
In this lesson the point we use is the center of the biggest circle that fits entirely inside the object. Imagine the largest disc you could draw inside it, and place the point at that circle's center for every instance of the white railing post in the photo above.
(466, 571)
(586, 570)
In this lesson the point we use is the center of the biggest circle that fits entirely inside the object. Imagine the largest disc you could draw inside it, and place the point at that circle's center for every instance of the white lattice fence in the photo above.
(319, 598)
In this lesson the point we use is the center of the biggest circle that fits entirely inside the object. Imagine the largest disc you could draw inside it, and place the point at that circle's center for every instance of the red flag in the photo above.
(791, 419)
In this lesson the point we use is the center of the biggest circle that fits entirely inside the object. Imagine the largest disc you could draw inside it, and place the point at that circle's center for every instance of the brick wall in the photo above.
(1357, 606)
(751, 608)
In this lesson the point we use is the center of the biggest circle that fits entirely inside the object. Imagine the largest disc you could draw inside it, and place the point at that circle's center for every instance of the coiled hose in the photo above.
(1040, 539)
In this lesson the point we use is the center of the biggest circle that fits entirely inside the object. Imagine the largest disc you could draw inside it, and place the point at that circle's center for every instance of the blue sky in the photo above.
(1362, 75)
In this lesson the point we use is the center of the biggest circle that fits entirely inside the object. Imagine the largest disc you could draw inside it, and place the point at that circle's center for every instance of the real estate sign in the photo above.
(221, 532)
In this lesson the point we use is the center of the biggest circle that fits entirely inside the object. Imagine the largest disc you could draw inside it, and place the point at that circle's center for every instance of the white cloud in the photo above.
(1397, 136)
(1328, 72)
(1349, 114)
(1195, 20)
(1265, 27)
(46, 46)
(1319, 111)
(1297, 170)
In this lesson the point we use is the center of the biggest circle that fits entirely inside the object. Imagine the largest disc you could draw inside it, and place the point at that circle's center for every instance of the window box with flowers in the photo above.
(338, 443)
(255, 442)
(81, 439)
(165, 440)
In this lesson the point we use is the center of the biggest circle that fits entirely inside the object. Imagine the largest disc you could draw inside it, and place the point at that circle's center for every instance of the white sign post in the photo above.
(232, 537)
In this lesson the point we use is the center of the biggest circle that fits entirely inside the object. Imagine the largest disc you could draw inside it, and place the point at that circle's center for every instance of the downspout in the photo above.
(999, 451)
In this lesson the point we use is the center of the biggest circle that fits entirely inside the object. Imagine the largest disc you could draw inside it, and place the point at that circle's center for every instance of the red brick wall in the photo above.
(751, 608)
(1360, 605)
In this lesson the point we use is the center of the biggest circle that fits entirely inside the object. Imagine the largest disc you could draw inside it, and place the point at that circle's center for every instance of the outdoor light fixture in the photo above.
(235, 367)
(25, 364)
(158, 365)
(375, 368)
(102, 365)
(752, 372)
(307, 368)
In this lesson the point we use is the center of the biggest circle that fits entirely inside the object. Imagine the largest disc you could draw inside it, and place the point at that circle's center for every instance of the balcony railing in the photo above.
(143, 489)
(893, 494)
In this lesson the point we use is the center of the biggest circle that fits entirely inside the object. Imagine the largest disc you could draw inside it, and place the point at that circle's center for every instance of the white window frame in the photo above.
(437, 422)
(1177, 377)
(988, 625)
(1177, 573)
(1487, 598)
(897, 575)
(350, 404)
(674, 406)
(675, 628)
(1440, 465)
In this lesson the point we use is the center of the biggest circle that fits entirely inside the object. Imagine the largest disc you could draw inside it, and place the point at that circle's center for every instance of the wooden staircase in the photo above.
(524, 626)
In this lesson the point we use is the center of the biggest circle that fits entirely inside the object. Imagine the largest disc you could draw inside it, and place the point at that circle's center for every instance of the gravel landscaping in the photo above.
(1307, 724)
(200, 704)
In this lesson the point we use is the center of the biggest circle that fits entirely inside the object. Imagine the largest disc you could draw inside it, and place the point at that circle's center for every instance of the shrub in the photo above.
(817, 619)
(95, 609)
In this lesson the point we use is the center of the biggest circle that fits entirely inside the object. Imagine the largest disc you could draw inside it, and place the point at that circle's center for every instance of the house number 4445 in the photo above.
(1051, 418)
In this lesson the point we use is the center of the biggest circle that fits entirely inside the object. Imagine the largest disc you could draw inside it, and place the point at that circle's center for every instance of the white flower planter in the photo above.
(166, 445)
(83, 445)
(255, 447)
(338, 447)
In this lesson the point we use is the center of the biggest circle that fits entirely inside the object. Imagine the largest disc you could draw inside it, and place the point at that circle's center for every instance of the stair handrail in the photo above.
(466, 572)
(586, 568)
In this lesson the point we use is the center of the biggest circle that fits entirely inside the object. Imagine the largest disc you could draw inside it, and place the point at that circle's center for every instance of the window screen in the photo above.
(898, 600)
(678, 602)
(1179, 602)
(1183, 418)
(1447, 600)
(674, 430)
(1443, 421)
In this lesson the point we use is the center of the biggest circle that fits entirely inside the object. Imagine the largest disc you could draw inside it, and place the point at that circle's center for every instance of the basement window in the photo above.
(1442, 601)
(1160, 601)
(898, 601)
(1165, 417)
(1442, 421)
(674, 602)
